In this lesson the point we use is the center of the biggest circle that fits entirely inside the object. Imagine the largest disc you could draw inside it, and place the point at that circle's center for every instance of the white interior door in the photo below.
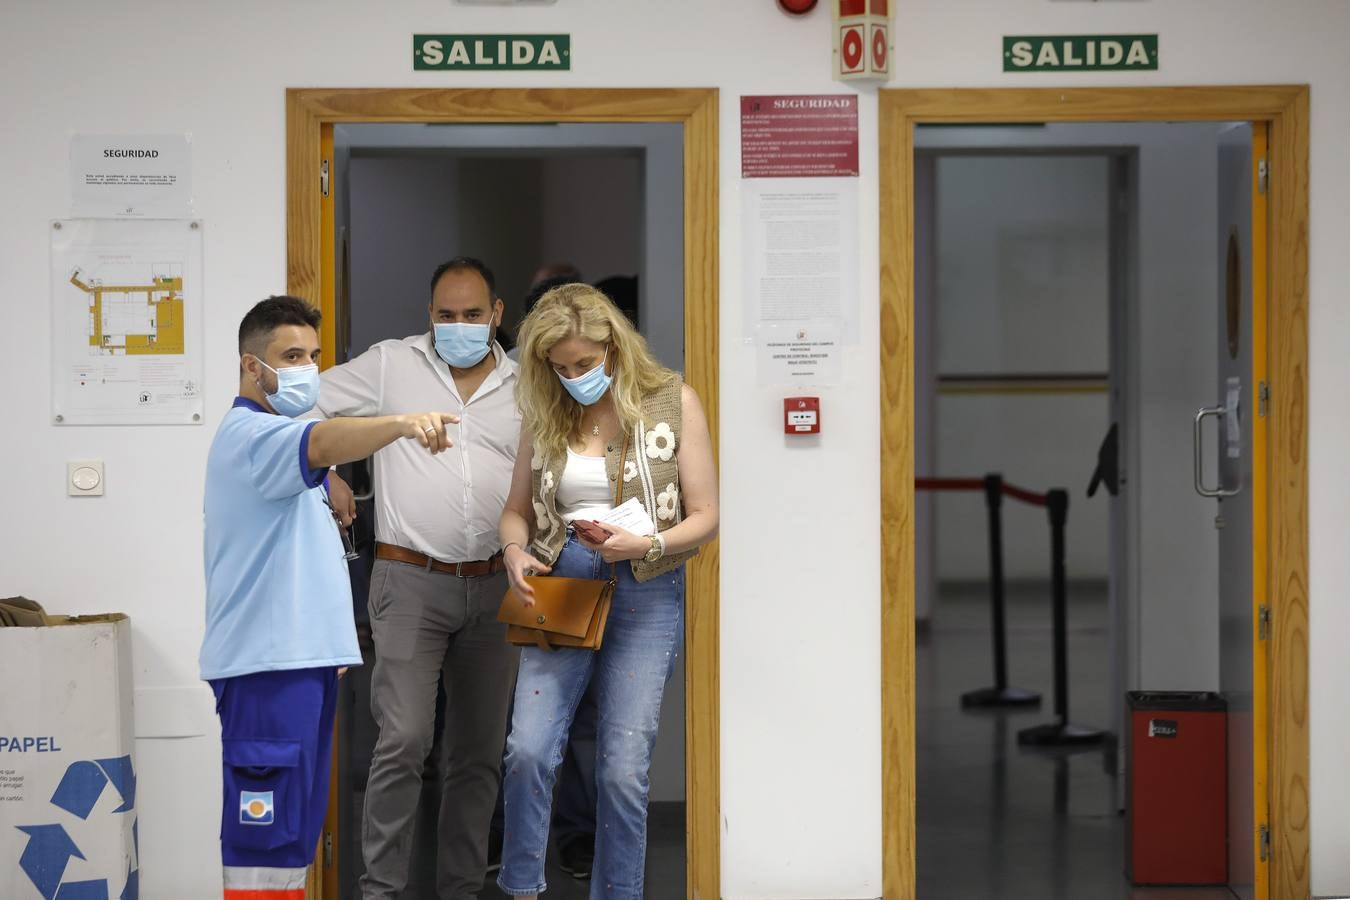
(1237, 399)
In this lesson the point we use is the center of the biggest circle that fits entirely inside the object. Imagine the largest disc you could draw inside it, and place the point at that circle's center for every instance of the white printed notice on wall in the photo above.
(799, 207)
(804, 353)
(131, 175)
(126, 322)
(801, 259)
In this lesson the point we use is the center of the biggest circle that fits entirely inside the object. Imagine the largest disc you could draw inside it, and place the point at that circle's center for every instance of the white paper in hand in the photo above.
(630, 516)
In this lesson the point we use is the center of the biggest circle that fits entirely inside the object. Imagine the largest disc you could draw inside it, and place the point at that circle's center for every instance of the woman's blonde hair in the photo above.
(550, 414)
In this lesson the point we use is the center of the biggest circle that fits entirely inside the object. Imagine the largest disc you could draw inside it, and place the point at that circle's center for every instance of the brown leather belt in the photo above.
(422, 561)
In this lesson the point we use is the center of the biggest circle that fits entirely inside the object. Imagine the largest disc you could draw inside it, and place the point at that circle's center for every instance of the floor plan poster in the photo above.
(126, 322)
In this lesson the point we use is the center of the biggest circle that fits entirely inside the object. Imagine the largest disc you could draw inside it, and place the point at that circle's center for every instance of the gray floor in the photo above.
(665, 846)
(996, 820)
(665, 859)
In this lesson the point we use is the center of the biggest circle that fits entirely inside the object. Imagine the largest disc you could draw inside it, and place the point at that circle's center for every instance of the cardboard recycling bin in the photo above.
(67, 771)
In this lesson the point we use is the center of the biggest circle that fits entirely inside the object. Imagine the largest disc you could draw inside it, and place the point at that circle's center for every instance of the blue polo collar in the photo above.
(247, 404)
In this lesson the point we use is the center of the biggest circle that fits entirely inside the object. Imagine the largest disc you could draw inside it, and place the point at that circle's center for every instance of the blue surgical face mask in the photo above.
(590, 386)
(462, 344)
(297, 389)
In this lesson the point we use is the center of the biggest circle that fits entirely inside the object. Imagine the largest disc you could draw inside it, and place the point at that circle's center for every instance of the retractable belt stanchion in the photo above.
(1061, 732)
(1000, 695)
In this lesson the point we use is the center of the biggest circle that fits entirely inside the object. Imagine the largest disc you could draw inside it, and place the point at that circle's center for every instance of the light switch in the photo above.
(84, 478)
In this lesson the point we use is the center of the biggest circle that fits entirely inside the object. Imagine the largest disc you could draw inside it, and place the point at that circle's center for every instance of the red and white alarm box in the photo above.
(801, 415)
(862, 40)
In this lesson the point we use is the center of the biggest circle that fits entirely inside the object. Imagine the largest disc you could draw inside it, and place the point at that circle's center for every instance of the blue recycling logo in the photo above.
(50, 848)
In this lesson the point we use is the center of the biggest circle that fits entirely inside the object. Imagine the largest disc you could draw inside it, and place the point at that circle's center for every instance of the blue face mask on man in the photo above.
(462, 344)
(297, 389)
(589, 386)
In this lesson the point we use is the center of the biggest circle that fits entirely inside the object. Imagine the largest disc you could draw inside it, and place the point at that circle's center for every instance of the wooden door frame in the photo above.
(310, 112)
(1285, 110)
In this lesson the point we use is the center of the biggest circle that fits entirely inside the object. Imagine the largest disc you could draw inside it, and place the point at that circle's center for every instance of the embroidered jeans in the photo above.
(642, 642)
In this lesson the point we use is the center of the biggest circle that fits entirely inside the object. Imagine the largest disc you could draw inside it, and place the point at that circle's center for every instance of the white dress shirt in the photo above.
(446, 506)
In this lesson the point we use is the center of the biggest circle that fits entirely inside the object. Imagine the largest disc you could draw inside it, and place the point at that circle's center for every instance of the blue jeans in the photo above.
(574, 803)
(642, 642)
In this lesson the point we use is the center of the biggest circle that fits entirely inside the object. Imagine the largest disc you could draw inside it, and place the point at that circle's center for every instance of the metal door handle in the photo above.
(1200, 488)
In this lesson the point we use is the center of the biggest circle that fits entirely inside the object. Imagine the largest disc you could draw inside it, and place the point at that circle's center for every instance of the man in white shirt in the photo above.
(437, 581)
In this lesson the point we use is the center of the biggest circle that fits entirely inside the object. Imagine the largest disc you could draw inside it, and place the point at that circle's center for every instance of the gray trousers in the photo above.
(426, 624)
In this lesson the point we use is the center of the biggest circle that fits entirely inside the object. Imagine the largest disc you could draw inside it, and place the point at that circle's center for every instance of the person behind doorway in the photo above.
(554, 270)
(601, 417)
(437, 580)
(279, 626)
(546, 278)
(623, 290)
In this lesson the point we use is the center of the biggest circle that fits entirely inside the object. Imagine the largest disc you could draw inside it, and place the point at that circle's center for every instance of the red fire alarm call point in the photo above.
(801, 415)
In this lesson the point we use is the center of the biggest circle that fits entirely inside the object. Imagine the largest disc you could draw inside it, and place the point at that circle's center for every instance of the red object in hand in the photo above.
(591, 531)
(797, 7)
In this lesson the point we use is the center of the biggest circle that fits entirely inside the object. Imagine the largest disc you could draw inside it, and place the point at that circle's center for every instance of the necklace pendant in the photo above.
(595, 429)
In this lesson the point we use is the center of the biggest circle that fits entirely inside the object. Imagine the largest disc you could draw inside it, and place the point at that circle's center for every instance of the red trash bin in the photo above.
(1176, 791)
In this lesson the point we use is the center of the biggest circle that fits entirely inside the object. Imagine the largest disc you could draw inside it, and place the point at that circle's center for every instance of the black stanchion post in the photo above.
(1058, 503)
(1060, 732)
(1000, 694)
(993, 501)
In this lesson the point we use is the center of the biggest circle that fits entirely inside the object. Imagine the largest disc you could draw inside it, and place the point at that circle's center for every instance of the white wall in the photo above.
(403, 224)
(801, 750)
(592, 210)
(1022, 260)
(925, 384)
(658, 145)
(499, 221)
(413, 210)
(1171, 607)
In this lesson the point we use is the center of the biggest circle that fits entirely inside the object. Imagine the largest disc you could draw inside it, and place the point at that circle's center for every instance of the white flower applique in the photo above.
(546, 484)
(661, 442)
(541, 517)
(537, 461)
(667, 502)
(629, 470)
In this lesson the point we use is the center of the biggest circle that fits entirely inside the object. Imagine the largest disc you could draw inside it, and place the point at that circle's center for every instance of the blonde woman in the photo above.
(589, 391)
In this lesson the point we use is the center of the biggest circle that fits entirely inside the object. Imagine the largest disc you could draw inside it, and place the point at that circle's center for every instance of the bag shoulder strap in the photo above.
(618, 498)
(618, 476)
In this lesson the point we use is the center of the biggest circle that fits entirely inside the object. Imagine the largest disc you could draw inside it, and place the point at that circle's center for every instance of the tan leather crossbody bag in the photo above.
(567, 612)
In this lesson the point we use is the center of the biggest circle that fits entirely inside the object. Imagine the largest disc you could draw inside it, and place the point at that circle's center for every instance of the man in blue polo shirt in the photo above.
(279, 624)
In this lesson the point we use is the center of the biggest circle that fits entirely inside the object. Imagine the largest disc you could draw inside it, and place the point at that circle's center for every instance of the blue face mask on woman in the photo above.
(297, 389)
(589, 386)
(462, 344)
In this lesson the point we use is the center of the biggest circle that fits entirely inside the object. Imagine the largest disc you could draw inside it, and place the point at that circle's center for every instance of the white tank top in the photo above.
(584, 491)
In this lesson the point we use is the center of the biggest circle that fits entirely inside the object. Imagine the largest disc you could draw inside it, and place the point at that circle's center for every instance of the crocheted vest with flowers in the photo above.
(649, 472)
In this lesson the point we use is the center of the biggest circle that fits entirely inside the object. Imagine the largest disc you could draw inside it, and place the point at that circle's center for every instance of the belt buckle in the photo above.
(459, 570)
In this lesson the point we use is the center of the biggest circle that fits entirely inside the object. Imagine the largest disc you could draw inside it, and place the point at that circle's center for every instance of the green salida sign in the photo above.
(492, 51)
(1076, 53)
